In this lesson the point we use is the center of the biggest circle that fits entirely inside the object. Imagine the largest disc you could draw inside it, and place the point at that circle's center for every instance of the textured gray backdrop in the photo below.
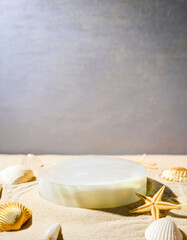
(81, 76)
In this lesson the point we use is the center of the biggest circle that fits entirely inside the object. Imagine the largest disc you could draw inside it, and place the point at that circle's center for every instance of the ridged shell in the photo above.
(178, 174)
(31, 162)
(163, 229)
(13, 216)
(16, 174)
(52, 232)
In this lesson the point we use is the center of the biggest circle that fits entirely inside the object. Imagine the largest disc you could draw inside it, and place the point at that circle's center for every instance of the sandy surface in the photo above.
(85, 224)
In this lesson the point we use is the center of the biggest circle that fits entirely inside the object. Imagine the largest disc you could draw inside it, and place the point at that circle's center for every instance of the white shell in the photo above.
(31, 162)
(52, 232)
(178, 174)
(16, 174)
(163, 229)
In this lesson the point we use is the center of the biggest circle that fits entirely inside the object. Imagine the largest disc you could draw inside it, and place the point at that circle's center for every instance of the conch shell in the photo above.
(178, 174)
(31, 162)
(16, 174)
(52, 232)
(163, 229)
(13, 216)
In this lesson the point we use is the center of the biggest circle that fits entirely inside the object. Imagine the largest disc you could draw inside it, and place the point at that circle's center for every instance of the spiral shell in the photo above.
(178, 174)
(13, 216)
(16, 174)
(52, 232)
(163, 229)
(31, 161)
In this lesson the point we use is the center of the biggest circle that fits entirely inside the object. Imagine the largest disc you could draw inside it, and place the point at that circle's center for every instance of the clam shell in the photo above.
(16, 174)
(52, 232)
(31, 162)
(163, 229)
(178, 174)
(13, 216)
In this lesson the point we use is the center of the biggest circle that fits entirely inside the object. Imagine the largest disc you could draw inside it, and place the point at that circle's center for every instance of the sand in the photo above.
(85, 224)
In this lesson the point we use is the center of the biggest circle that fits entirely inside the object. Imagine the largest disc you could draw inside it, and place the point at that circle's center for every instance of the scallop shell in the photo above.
(16, 174)
(31, 162)
(163, 229)
(178, 174)
(13, 216)
(52, 232)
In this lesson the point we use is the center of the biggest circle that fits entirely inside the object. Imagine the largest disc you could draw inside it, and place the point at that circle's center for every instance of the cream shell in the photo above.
(178, 174)
(163, 229)
(31, 161)
(52, 232)
(16, 174)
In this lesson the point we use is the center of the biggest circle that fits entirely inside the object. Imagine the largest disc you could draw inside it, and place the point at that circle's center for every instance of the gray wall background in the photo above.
(103, 77)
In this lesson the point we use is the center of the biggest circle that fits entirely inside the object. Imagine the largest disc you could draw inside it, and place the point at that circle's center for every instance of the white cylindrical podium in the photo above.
(92, 182)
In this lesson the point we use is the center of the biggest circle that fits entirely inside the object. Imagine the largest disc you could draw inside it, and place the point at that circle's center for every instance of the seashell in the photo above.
(178, 174)
(13, 216)
(16, 174)
(52, 232)
(163, 229)
(31, 162)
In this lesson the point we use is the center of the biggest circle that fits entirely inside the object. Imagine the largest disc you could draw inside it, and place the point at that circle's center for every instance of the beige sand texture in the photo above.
(85, 224)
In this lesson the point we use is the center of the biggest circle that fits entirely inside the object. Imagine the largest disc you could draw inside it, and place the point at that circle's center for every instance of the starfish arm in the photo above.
(142, 158)
(141, 161)
(167, 206)
(148, 165)
(155, 212)
(141, 209)
(157, 197)
(145, 198)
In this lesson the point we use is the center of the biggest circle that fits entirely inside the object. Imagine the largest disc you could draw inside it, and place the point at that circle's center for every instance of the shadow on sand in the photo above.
(152, 187)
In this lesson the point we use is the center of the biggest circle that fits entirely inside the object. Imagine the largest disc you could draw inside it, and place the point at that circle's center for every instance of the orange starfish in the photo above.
(154, 204)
